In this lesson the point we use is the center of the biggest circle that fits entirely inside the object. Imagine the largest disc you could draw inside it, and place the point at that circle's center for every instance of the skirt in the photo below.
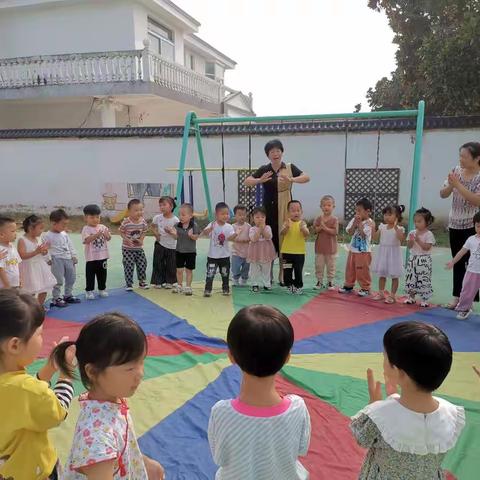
(418, 280)
(37, 276)
(388, 262)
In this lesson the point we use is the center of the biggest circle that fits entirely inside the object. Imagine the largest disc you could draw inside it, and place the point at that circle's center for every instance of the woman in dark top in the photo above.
(277, 178)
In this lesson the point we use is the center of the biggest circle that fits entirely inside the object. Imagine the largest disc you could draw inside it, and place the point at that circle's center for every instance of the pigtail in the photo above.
(57, 357)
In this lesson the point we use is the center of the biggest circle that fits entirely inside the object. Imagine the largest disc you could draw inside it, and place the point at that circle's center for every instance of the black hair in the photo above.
(5, 220)
(30, 222)
(259, 210)
(421, 350)
(221, 206)
(291, 202)
(365, 203)
(426, 214)
(107, 340)
(169, 200)
(260, 338)
(473, 148)
(396, 210)
(188, 206)
(91, 209)
(58, 215)
(273, 144)
(239, 207)
(476, 218)
(21, 314)
(133, 202)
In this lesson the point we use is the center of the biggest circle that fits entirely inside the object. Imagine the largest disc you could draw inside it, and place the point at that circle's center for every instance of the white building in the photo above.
(91, 63)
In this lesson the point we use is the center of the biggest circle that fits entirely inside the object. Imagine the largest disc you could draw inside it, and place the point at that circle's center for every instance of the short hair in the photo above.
(168, 199)
(326, 198)
(133, 202)
(5, 221)
(30, 222)
(473, 148)
(421, 350)
(259, 210)
(221, 206)
(426, 214)
(260, 338)
(92, 209)
(187, 206)
(365, 203)
(476, 218)
(292, 202)
(239, 207)
(273, 144)
(58, 215)
(396, 210)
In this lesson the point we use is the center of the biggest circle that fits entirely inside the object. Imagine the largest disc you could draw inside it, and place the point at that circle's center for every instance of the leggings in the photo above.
(457, 241)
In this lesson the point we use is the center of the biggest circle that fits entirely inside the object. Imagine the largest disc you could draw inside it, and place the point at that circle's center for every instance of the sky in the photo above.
(299, 56)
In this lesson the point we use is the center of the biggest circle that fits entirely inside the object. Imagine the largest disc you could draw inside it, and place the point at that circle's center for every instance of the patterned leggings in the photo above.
(132, 257)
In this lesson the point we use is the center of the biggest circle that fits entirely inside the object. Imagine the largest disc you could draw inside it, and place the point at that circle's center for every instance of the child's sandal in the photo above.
(390, 300)
(378, 297)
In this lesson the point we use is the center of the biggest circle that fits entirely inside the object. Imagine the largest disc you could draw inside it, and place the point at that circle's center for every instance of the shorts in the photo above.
(186, 260)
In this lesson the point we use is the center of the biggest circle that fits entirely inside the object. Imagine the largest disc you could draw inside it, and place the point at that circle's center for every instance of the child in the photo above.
(408, 435)
(164, 273)
(326, 227)
(133, 230)
(186, 233)
(388, 261)
(9, 259)
(240, 265)
(418, 280)
(37, 277)
(220, 233)
(95, 237)
(259, 435)
(471, 282)
(361, 227)
(261, 251)
(63, 258)
(29, 407)
(294, 233)
(111, 350)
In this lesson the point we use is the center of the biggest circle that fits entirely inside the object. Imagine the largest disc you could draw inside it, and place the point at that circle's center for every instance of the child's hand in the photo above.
(190, 233)
(449, 265)
(375, 388)
(49, 262)
(75, 260)
(303, 225)
(412, 237)
(476, 370)
(3, 254)
(155, 471)
(170, 230)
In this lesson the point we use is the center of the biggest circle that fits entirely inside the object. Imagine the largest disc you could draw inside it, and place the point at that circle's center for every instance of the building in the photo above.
(87, 63)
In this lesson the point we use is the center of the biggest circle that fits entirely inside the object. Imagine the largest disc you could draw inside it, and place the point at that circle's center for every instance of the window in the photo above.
(210, 70)
(161, 40)
(191, 62)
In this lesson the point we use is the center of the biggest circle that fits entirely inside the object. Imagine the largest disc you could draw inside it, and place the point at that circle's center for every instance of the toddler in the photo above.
(240, 265)
(9, 257)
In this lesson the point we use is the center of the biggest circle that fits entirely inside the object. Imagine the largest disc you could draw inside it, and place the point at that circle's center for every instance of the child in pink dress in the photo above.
(261, 251)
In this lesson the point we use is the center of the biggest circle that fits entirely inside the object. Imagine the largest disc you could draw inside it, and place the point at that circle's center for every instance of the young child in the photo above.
(240, 265)
(29, 407)
(388, 261)
(37, 276)
(326, 227)
(164, 273)
(418, 280)
(95, 237)
(111, 350)
(471, 282)
(408, 435)
(62, 258)
(294, 233)
(186, 233)
(361, 227)
(259, 435)
(261, 251)
(133, 230)
(9, 257)
(220, 233)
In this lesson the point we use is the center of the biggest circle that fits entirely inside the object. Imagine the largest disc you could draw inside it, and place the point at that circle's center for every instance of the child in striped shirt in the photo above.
(260, 434)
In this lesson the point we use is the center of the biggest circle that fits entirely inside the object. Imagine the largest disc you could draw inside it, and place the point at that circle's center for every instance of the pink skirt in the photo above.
(262, 251)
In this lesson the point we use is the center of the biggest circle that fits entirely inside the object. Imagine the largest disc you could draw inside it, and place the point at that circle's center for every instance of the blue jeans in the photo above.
(240, 267)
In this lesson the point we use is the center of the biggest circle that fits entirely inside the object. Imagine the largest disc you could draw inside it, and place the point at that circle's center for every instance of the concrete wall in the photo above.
(73, 172)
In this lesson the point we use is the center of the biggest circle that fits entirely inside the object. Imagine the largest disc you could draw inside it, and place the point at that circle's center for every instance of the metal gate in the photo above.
(248, 196)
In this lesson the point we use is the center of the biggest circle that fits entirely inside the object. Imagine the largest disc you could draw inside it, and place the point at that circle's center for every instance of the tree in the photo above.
(438, 57)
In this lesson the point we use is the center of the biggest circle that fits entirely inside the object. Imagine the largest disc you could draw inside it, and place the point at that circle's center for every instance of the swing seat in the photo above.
(203, 214)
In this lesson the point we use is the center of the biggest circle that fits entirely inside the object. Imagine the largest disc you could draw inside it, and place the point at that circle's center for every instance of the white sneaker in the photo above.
(129, 289)
(157, 286)
(243, 281)
(331, 286)
(319, 286)
(188, 291)
(298, 291)
(464, 315)
(363, 293)
(103, 293)
(236, 282)
(177, 289)
(168, 286)
(89, 296)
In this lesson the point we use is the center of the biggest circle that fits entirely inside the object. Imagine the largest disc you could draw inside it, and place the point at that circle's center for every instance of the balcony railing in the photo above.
(105, 67)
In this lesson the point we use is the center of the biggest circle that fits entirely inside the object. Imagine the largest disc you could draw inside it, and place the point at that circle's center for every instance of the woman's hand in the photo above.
(375, 388)
(266, 177)
(453, 180)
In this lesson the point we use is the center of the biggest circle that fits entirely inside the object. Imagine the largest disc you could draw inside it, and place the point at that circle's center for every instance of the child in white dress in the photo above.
(37, 276)
(388, 261)
(408, 435)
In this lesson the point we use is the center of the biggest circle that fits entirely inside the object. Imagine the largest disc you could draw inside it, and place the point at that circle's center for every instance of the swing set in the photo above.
(193, 126)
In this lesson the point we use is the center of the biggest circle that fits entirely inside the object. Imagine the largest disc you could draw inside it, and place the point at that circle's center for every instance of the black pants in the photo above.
(54, 474)
(223, 265)
(457, 240)
(96, 268)
(164, 265)
(293, 267)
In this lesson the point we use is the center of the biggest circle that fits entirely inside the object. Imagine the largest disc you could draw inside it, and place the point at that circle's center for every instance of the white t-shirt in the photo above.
(60, 245)
(10, 265)
(360, 244)
(219, 236)
(473, 245)
(166, 240)
(425, 237)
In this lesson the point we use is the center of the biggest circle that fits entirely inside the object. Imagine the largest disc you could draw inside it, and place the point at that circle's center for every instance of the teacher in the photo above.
(464, 183)
(277, 178)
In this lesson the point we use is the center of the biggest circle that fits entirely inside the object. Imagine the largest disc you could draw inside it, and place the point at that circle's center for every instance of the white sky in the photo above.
(299, 56)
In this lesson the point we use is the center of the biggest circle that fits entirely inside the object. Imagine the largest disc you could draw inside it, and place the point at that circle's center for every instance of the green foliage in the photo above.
(438, 57)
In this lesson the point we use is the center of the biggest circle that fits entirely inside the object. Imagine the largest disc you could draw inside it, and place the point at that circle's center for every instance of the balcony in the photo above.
(107, 73)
